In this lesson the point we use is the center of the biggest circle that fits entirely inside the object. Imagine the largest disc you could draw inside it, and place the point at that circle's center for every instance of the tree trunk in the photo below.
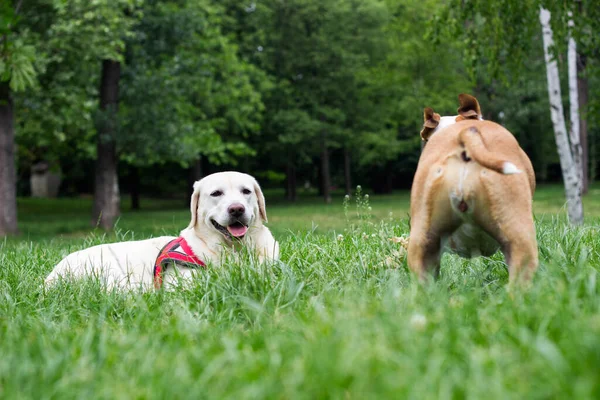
(571, 175)
(8, 172)
(574, 132)
(347, 172)
(319, 185)
(290, 190)
(582, 86)
(389, 178)
(194, 174)
(325, 177)
(106, 190)
(134, 187)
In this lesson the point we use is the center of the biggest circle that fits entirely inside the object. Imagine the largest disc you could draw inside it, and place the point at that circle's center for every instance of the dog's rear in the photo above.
(473, 189)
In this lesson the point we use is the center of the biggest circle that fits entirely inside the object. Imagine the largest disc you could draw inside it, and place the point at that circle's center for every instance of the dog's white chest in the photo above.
(471, 241)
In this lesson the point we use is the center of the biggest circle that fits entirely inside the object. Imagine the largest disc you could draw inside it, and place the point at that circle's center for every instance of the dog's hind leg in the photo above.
(432, 218)
(512, 226)
(520, 249)
(424, 253)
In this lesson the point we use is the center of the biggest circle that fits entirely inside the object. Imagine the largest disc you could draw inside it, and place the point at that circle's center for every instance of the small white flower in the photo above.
(359, 188)
(418, 321)
(340, 237)
(373, 235)
(347, 197)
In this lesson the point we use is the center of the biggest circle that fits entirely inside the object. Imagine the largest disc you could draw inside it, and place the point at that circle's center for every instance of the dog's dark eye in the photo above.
(246, 191)
(216, 193)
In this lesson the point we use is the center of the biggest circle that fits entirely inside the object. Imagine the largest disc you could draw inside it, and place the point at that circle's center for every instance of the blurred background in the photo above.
(117, 105)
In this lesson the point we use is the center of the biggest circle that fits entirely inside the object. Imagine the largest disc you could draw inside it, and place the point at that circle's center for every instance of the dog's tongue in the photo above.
(237, 230)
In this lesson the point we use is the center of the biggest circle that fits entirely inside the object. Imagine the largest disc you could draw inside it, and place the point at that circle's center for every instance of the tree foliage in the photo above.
(265, 86)
(186, 92)
(17, 48)
(57, 115)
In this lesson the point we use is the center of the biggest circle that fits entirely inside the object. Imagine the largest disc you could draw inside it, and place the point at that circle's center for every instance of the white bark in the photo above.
(574, 133)
(571, 174)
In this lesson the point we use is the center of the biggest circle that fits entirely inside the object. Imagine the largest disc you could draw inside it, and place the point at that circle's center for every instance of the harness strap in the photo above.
(177, 251)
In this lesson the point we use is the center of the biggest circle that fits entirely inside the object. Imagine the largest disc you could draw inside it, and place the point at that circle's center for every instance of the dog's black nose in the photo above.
(236, 210)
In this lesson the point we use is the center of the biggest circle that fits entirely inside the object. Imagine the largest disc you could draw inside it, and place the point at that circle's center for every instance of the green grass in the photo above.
(70, 219)
(332, 319)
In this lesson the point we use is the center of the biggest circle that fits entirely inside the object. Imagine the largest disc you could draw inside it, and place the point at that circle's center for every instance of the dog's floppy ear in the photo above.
(469, 107)
(194, 204)
(262, 210)
(431, 120)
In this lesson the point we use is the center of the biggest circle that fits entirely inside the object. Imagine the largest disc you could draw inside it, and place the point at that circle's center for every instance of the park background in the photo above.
(110, 109)
(124, 100)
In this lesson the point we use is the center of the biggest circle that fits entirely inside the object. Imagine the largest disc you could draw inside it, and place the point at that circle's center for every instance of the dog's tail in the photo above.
(472, 142)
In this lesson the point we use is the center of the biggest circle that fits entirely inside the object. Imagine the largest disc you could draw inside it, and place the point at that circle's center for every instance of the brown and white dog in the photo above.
(472, 192)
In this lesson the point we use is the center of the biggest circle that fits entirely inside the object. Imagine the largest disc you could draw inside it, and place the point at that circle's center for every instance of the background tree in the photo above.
(106, 192)
(339, 84)
(569, 148)
(55, 119)
(284, 90)
(96, 33)
(17, 72)
(503, 51)
(187, 94)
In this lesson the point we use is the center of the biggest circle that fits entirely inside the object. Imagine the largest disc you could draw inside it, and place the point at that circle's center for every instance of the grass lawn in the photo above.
(332, 319)
(69, 219)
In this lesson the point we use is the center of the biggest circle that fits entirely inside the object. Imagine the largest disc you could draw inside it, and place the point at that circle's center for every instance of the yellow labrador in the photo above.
(228, 209)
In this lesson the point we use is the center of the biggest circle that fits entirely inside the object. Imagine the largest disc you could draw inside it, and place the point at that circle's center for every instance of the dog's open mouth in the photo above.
(236, 229)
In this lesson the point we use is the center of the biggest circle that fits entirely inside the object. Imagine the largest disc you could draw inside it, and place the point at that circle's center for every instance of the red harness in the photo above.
(177, 251)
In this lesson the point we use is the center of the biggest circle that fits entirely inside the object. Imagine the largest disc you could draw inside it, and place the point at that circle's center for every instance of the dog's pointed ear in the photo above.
(194, 204)
(431, 120)
(469, 107)
(262, 210)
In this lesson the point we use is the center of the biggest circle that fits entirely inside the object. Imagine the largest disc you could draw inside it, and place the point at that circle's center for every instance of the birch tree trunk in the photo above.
(582, 87)
(571, 174)
(574, 133)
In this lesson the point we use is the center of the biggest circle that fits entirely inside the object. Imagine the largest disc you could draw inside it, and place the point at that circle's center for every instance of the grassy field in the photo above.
(68, 220)
(334, 318)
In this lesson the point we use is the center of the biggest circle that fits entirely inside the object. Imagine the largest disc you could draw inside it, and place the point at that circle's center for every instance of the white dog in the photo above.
(228, 210)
